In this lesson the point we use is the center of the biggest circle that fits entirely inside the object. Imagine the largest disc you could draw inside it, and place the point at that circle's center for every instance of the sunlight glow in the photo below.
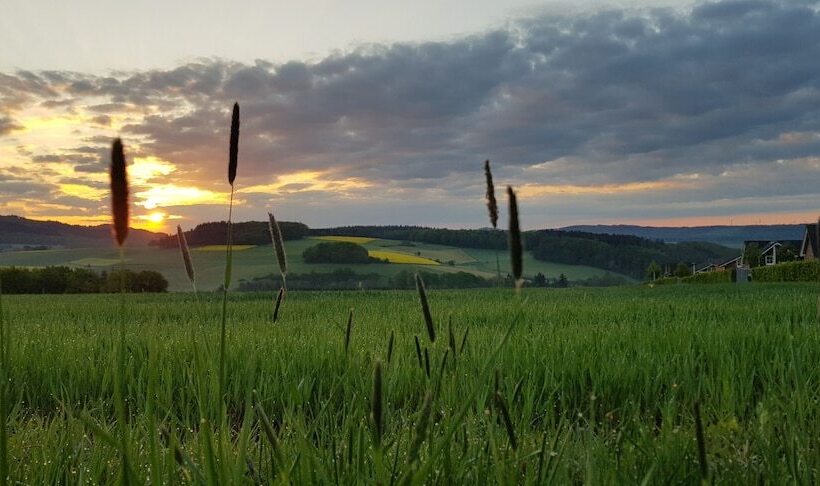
(308, 181)
(165, 195)
(536, 190)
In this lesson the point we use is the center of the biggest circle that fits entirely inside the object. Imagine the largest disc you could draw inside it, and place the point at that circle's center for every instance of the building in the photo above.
(771, 252)
(731, 264)
(808, 248)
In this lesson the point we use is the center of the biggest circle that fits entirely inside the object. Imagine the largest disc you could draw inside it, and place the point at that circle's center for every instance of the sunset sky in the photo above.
(382, 112)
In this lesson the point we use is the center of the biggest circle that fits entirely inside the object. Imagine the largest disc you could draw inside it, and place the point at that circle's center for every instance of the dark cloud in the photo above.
(607, 97)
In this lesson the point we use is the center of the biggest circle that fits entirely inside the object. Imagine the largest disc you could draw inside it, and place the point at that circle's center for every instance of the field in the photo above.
(258, 261)
(593, 386)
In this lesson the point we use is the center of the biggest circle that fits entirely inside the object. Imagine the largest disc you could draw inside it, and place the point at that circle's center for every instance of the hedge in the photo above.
(788, 272)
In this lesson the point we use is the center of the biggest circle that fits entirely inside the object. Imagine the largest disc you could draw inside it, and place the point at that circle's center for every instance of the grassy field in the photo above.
(598, 386)
(258, 261)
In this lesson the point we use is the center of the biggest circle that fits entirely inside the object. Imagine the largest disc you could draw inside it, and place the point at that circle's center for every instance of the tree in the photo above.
(562, 281)
(752, 255)
(682, 270)
(540, 280)
(653, 270)
(337, 252)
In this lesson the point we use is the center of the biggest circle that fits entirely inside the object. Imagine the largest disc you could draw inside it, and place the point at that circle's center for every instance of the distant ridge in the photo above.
(732, 236)
(16, 232)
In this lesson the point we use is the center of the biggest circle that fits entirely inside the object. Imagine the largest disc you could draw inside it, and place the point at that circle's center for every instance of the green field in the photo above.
(598, 385)
(259, 261)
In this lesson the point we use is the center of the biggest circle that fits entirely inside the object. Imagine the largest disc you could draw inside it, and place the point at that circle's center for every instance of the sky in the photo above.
(382, 112)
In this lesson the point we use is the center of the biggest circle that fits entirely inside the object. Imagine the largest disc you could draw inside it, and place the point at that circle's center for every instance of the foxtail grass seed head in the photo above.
(425, 308)
(119, 192)
(186, 254)
(516, 251)
(349, 328)
(418, 352)
(390, 347)
(492, 204)
(233, 150)
(376, 405)
(279, 297)
(278, 244)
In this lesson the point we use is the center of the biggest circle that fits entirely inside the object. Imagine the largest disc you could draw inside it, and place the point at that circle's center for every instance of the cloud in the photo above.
(613, 105)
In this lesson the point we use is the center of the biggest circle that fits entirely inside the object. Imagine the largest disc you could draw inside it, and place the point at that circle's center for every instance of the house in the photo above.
(771, 252)
(767, 251)
(731, 264)
(711, 267)
(808, 248)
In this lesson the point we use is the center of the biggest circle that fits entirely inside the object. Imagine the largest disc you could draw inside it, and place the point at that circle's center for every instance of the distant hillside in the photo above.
(625, 254)
(732, 236)
(16, 232)
(244, 233)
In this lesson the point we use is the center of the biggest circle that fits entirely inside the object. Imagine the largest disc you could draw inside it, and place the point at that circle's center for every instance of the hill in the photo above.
(625, 254)
(18, 232)
(732, 236)
(251, 262)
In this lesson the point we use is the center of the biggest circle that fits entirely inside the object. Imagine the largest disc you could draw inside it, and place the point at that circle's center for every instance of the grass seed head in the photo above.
(278, 244)
(425, 308)
(233, 150)
(516, 250)
(119, 192)
(186, 254)
(349, 328)
(492, 204)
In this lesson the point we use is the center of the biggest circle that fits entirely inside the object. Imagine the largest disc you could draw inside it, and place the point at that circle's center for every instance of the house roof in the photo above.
(733, 260)
(765, 246)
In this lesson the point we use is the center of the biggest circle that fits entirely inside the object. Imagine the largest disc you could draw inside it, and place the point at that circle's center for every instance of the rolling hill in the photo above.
(17, 232)
(732, 236)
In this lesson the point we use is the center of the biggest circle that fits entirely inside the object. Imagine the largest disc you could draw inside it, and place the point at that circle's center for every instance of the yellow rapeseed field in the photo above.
(395, 257)
(359, 240)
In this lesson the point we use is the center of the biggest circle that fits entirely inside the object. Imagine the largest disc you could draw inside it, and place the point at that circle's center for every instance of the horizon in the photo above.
(642, 113)
(343, 225)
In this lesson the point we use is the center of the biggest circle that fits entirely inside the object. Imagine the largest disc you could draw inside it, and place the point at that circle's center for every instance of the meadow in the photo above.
(549, 386)
(251, 262)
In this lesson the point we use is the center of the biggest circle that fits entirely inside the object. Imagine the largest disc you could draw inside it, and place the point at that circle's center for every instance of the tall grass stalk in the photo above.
(492, 209)
(516, 249)
(425, 309)
(120, 215)
(4, 374)
(279, 247)
(186, 258)
(233, 156)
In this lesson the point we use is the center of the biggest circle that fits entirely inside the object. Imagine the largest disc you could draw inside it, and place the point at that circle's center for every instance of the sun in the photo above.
(156, 218)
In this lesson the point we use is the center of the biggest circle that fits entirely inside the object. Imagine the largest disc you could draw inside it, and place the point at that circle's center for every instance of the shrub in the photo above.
(788, 272)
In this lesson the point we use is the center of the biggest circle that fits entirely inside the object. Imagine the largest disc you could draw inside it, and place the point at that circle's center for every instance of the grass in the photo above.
(593, 385)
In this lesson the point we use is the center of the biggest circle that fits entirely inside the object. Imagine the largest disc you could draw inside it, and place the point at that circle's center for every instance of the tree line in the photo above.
(66, 280)
(246, 233)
